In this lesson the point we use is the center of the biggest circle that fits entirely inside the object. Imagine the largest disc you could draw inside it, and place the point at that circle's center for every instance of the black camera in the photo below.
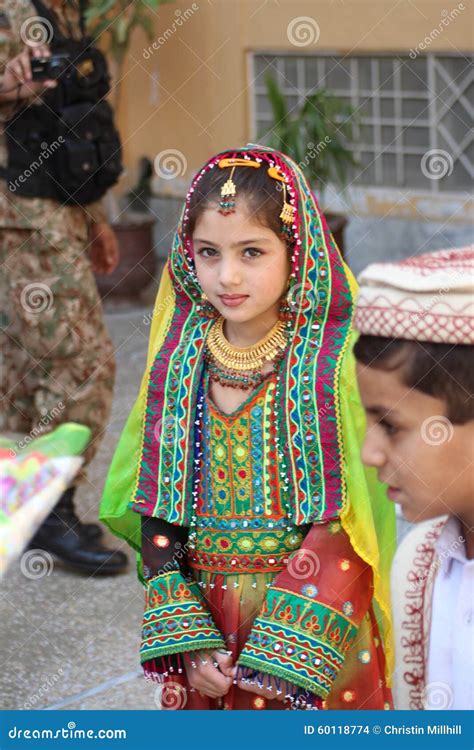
(49, 68)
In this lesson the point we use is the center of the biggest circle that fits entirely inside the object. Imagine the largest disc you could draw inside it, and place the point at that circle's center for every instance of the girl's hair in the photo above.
(261, 194)
(444, 371)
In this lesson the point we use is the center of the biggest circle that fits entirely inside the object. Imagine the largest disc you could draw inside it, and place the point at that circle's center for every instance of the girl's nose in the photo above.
(229, 275)
(373, 453)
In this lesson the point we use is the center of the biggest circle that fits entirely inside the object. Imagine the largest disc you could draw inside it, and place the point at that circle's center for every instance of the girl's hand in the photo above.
(269, 689)
(209, 672)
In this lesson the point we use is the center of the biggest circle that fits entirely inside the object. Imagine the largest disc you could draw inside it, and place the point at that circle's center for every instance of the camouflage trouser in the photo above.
(57, 357)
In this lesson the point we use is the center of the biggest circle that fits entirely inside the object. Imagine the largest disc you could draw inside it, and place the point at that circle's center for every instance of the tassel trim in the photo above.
(300, 698)
(163, 666)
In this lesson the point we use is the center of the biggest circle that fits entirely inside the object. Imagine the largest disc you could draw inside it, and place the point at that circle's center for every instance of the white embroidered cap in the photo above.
(424, 298)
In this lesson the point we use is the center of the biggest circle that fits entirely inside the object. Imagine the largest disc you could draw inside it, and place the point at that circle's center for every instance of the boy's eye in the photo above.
(389, 428)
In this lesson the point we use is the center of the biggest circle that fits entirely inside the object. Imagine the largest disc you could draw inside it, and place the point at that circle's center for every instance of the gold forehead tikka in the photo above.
(228, 189)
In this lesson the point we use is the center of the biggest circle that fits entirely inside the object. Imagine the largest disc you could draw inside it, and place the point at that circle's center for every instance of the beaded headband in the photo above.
(229, 190)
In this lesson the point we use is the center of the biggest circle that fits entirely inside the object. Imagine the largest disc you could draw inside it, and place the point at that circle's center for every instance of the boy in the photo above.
(415, 362)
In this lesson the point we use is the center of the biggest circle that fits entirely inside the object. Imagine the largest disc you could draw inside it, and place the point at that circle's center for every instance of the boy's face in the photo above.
(426, 461)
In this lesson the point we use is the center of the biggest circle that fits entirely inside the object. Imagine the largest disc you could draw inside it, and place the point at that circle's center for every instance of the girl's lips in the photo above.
(233, 300)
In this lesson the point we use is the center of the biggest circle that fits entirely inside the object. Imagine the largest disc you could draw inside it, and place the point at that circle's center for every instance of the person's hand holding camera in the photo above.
(17, 77)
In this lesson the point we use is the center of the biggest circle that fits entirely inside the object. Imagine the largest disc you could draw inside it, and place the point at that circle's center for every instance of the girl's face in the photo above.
(235, 255)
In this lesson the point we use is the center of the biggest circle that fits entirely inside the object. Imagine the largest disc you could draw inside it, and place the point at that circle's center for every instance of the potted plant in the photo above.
(316, 135)
(115, 21)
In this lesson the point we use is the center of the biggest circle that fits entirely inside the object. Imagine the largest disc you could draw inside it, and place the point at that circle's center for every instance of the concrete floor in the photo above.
(68, 641)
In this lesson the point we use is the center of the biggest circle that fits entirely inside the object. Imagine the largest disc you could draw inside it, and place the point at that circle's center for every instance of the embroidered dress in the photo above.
(306, 599)
(241, 541)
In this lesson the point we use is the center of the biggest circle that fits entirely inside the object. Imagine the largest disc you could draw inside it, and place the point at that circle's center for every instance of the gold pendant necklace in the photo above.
(248, 359)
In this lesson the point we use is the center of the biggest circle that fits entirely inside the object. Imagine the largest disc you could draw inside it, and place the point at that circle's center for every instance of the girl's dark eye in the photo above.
(206, 250)
(210, 252)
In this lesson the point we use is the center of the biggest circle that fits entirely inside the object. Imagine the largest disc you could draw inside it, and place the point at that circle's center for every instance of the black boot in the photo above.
(71, 545)
(64, 508)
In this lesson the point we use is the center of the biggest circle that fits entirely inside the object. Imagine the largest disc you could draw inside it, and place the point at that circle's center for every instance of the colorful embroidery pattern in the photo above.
(241, 525)
(175, 619)
(300, 640)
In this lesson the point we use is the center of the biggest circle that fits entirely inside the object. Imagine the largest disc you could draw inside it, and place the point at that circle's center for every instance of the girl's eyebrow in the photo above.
(236, 244)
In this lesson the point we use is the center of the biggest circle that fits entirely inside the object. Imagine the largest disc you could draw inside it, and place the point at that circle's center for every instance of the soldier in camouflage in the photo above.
(58, 360)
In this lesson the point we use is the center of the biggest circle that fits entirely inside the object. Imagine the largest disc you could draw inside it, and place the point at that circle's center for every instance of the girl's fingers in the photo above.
(213, 679)
(204, 676)
(224, 663)
(204, 686)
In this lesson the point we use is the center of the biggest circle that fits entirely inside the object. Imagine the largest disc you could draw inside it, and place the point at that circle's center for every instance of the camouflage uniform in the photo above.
(57, 357)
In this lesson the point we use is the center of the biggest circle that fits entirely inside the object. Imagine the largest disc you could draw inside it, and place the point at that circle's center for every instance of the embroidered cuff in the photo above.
(176, 619)
(300, 640)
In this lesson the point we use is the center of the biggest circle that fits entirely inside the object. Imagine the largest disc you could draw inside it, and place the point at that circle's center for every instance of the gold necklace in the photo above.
(250, 358)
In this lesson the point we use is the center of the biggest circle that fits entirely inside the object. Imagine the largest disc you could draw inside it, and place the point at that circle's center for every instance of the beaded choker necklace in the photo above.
(241, 367)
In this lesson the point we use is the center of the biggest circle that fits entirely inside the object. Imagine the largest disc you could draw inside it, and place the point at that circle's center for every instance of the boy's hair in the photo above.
(262, 194)
(444, 371)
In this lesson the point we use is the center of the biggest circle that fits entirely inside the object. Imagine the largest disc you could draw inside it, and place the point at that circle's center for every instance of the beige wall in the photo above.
(200, 103)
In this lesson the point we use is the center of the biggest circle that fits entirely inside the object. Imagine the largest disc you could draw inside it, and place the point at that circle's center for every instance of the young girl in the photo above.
(263, 544)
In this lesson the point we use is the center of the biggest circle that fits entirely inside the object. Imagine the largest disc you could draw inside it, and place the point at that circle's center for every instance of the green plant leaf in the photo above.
(98, 8)
(148, 26)
(318, 135)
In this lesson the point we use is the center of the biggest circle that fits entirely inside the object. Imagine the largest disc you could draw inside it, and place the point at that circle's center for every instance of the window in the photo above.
(412, 112)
